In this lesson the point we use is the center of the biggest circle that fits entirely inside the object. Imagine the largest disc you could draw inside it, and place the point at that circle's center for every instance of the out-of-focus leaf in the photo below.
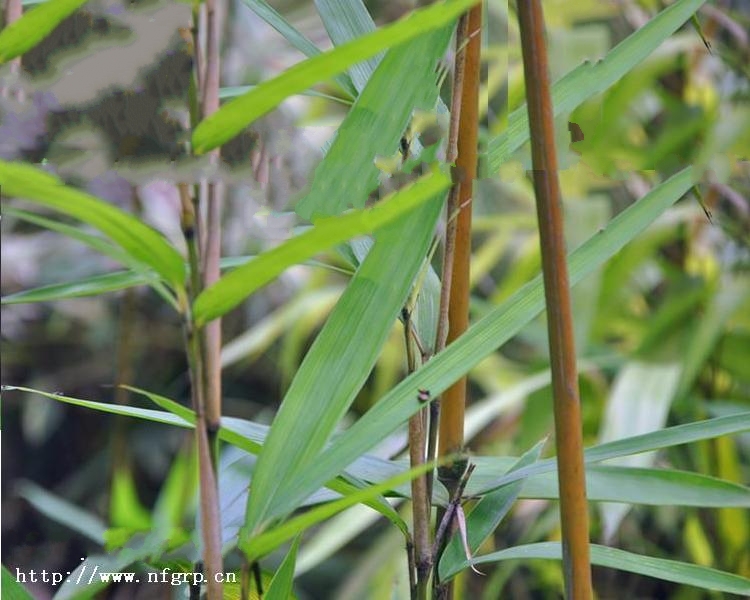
(140, 241)
(638, 403)
(88, 286)
(614, 558)
(234, 287)
(589, 79)
(33, 27)
(234, 116)
(63, 512)
(12, 589)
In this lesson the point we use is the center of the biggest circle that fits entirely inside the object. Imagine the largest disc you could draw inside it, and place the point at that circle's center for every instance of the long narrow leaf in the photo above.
(234, 116)
(404, 81)
(140, 241)
(480, 340)
(295, 38)
(339, 362)
(262, 544)
(88, 286)
(614, 558)
(234, 287)
(347, 20)
(280, 587)
(589, 79)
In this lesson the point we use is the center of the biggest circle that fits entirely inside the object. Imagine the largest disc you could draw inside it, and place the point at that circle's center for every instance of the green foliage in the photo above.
(656, 330)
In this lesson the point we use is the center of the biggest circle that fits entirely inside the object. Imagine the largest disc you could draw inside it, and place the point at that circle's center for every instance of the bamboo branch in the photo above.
(421, 504)
(567, 406)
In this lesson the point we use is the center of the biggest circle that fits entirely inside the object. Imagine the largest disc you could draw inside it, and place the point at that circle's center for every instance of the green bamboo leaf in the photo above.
(404, 81)
(345, 21)
(260, 545)
(88, 286)
(234, 287)
(139, 241)
(295, 38)
(339, 362)
(589, 79)
(101, 245)
(250, 436)
(483, 338)
(12, 589)
(281, 584)
(614, 558)
(611, 483)
(63, 512)
(34, 26)
(234, 116)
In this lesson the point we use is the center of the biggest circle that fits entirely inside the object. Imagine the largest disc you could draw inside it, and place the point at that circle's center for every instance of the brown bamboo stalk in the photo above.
(196, 350)
(567, 406)
(212, 250)
(453, 402)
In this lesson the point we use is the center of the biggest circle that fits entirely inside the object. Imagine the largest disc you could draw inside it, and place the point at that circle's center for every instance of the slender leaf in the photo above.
(481, 339)
(234, 116)
(345, 21)
(88, 286)
(63, 512)
(234, 287)
(621, 484)
(404, 81)
(140, 241)
(614, 558)
(295, 38)
(262, 544)
(35, 25)
(589, 79)
(339, 362)
(101, 245)
(281, 584)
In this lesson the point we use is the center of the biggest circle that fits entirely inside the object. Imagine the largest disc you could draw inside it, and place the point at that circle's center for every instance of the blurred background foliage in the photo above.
(663, 330)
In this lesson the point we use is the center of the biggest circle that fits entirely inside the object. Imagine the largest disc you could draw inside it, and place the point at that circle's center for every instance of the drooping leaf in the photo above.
(137, 239)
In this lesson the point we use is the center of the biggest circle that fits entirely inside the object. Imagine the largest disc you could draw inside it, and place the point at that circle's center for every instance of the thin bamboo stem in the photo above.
(421, 505)
(567, 406)
(453, 402)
